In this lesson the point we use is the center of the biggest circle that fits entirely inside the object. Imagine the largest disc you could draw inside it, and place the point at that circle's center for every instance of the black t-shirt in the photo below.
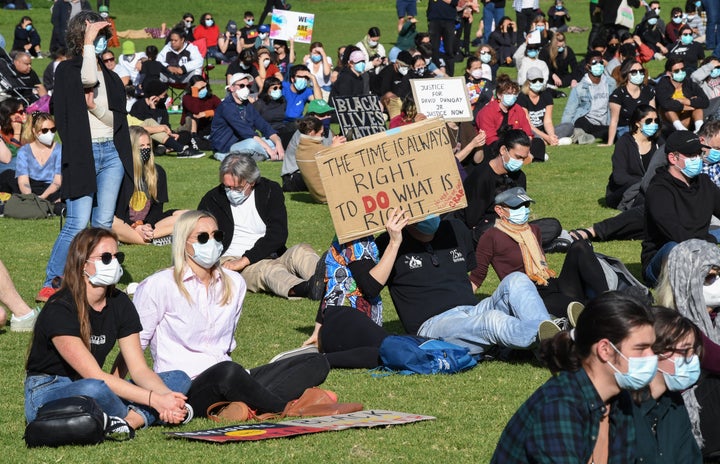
(536, 112)
(117, 320)
(142, 111)
(628, 104)
(430, 278)
(480, 190)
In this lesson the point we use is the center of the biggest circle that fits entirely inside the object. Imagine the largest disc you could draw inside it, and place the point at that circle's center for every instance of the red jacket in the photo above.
(490, 119)
(210, 34)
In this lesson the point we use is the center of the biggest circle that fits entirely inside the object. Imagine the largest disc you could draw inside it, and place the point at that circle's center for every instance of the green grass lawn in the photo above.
(471, 408)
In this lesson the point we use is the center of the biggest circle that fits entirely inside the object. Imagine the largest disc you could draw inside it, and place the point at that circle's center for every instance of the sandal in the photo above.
(581, 234)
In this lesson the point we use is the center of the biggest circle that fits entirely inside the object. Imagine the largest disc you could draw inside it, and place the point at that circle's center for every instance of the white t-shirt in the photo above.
(127, 68)
(248, 227)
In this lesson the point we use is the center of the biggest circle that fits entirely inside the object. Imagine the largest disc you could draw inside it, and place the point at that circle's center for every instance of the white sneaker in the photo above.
(25, 324)
(565, 141)
(295, 352)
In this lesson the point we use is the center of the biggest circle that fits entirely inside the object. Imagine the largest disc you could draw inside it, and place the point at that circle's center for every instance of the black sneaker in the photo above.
(117, 429)
(194, 144)
(160, 150)
(190, 153)
(316, 283)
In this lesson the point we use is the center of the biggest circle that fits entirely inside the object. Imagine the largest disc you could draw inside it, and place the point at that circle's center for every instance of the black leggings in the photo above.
(350, 339)
(266, 388)
(628, 225)
(580, 279)
(600, 132)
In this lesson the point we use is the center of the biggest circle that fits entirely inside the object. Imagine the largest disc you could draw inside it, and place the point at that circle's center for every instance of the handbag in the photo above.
(28, 206)
(625, 15)
(75, 420)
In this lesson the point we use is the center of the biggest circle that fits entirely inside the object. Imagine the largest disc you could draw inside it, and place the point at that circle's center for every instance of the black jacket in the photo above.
(270, 205)
(664, 91)
(127, 188)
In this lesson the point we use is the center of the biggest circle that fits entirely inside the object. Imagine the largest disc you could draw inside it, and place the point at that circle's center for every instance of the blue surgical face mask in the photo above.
(249, 22)
(715, 73)
(509, 99)
(300, 83)
(693, 167)
(359, 67)
(677, 19)
(485, 58)
(202, 93)
(316, 58)
(537, 87)
(519, 215)
(532, 53)
(679, 76)
(652, 21)
(540, 28)
(235, 197)
(698, 3)
(686, 373)
(649, 129)
(100, 45)
(276, 94)
(597, 69)
(209, 22)
(641, 371)
(637, 79)
(686, 39)
(713, 156)
(561, 49)
(429, 225)
(207, 254)
(512, 164)
(28, 27)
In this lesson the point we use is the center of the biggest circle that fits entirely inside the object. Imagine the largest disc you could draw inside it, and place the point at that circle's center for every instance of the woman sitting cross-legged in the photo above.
(189, 314)
(139, 217)
(77, 329)
(37, 167)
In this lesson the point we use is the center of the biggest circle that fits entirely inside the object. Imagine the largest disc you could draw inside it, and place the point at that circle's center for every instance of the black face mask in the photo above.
(161, 102)
(145, 155)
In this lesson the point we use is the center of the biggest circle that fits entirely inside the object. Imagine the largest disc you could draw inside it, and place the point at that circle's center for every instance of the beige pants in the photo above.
(279, 275)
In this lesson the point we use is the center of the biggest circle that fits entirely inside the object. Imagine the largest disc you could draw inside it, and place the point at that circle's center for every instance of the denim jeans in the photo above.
(40, 389)
(491, 14)
(652, 271)
(250, 147)
(712, 33)
(100, 207)
(510, 318)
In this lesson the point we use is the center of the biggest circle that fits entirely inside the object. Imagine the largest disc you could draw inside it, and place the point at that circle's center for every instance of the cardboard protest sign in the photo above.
(265, 430)
(286, 25)
(359, 116)
(446, 98)
(412, 167)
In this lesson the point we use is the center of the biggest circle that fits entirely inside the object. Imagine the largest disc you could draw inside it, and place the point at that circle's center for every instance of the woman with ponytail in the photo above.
(582, 413)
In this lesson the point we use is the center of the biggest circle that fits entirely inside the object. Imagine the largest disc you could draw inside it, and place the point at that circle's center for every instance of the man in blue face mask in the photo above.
(301, 88)
(680, 100)
(680, 202)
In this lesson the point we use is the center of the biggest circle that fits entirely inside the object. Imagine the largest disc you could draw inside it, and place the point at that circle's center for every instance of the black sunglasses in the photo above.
(651, 120)
(677, 16)
(107, 257)
(203, 237)
(677, 70)
(107, 60)
(635, 72)
(242, 86)
(45, 130)
(688, 34)
(596, 62)
(535, 81)
(275, 87)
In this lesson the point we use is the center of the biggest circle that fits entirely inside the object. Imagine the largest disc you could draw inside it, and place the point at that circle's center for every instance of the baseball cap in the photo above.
(684, 142)
(513, 197)
(319, 106)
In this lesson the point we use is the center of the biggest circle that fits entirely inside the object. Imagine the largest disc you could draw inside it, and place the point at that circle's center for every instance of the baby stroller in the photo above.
(10, 85)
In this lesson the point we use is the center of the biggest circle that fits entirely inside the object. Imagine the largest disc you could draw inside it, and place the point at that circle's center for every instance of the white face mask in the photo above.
(46, 139)
(711, 294)
(106, 274)
(476, 73)
(207, 254)
(372, 43)
(403, 70)
(243, 93)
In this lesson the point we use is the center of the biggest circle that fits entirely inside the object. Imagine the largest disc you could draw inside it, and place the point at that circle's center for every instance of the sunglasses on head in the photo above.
(635, 72)
(652, 120)
(203, 237)
(45, 130)
(535, 81)
(107, 257)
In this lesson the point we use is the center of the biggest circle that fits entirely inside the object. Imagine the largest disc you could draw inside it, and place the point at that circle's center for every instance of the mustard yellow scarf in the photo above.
(533, 257)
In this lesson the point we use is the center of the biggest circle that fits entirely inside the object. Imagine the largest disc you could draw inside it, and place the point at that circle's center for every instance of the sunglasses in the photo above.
(535, 81)
(107, 60)
(652, 120)
(20, 112)
(677, 16)
(596, 62)
(107, 257)
(203, 237)
(635, 72)
(677, 70)
(45, 130)
(688, 35)
(242, 86)
(275, 87)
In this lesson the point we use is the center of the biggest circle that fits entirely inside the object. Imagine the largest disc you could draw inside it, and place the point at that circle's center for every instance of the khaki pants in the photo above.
(279, 275)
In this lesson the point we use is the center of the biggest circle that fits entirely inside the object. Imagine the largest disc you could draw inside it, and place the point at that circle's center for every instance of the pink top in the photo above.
(185, 336)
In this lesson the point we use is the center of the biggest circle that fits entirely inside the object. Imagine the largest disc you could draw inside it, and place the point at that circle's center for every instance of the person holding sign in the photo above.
(235, 123)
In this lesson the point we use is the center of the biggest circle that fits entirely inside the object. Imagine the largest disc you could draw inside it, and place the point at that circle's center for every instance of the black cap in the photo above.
(154, 88)
(513, 197)
(684, 142)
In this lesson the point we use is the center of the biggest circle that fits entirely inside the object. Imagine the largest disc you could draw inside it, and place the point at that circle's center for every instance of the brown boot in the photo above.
(318, 402)
(235, 411)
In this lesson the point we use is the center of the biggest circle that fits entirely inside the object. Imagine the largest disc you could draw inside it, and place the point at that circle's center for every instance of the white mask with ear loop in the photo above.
(711, 294)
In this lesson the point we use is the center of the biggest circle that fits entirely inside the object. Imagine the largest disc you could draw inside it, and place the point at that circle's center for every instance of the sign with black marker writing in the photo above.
(412, 167)
(446, 98)
(359, 116)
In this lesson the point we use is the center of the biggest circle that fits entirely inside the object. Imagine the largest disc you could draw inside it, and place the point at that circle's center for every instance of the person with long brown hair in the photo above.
(76, 331)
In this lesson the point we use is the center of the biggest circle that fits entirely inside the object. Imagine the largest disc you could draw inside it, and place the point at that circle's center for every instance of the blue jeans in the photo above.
(712, 33)
(40, 389)
(652, 271)
(101, 206)
(510, 318)
(491, 14)
(250, 147)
